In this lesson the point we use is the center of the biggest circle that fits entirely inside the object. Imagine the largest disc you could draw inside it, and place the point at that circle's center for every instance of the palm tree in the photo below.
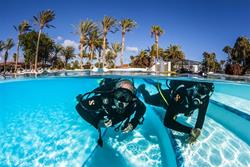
(93, 41)
(156, 31)
(109, 57)
(174, 53)
(126, 26)
(241, 49)
(142, 60)
(222, 62)
(68, 54)
(228, 50)
(98, 47)
(1, 47)
(57, 49)
(84, 28)
(14, 56)
(145, 59)
(9, 43)
(153, 52)
(21, 29)
(107, 24)
(117, 48)
(43, 19)
(209, 61)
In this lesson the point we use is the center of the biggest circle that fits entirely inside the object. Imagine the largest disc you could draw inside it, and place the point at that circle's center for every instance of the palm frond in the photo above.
(86, 27)
(108, 23)
(127, 25)
(9, 43)
(36, 20)
(117, 47)
(23, 27)
(1, 45)
(44, 18)
(156, 30)
(15, 28)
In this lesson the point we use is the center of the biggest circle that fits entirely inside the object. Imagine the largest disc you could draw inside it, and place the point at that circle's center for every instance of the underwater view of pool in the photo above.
(39, 126)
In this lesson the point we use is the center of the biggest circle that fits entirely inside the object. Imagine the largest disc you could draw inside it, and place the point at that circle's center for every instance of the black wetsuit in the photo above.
(174, 108)
(99, 107)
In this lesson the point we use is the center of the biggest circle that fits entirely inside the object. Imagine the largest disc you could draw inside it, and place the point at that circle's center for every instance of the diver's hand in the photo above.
(105, 123)
(128, 128)
(195, 133)
(108, 123)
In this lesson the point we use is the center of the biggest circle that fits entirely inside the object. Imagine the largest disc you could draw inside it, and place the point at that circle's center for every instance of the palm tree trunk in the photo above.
(81, 62)
(81, 55)
(123, 43)
(244, 58)
(99, 58)
(103, 49)
(17, 56)
(31, 65)
(4, 67)
(92, 55)
(66, 62)
(5, 61)
(37, 47)
(157, 48)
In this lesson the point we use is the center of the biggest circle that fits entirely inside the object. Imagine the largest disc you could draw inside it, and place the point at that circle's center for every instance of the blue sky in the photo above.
(195, 25)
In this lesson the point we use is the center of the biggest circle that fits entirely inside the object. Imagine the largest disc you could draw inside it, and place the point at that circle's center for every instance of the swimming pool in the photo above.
(40, 127)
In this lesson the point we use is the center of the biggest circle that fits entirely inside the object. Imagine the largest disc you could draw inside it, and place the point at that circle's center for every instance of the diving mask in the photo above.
(122, 97)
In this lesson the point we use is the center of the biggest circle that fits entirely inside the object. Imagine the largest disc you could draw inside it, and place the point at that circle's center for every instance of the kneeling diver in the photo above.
(182, 97)
(112, 103)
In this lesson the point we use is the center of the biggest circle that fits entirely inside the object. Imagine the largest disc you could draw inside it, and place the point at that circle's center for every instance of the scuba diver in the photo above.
(112, 103)
(182, 97)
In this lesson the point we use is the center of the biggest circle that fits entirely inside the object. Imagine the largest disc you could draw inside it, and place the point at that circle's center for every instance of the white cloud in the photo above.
(132, 49)
(59, 38)
(68, 42)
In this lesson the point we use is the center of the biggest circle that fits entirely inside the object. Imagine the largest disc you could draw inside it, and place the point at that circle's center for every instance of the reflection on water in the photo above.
(216, 146)
(137, 149)
(44, 136)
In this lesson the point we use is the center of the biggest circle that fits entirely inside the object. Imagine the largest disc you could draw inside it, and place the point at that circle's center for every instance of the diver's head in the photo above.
(180, 94)
(125, 84)
(200, 92)
(124, 93)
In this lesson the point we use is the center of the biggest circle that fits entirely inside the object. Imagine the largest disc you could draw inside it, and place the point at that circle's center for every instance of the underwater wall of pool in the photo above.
(39, 126)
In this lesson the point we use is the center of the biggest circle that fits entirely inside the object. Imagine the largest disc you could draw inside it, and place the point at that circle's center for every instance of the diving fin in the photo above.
(100, 141)
(152, 82)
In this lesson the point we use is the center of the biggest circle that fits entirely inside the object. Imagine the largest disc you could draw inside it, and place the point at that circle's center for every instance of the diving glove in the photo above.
(195, 133)
(128, 128)
(108, 123)
(105, 123)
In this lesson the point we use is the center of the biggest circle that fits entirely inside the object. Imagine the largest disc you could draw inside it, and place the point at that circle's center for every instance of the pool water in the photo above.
(39, 126)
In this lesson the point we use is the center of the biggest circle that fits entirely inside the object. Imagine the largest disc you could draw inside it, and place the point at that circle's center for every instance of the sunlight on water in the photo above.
(138, 150)
(35, 138)
(216, 146)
